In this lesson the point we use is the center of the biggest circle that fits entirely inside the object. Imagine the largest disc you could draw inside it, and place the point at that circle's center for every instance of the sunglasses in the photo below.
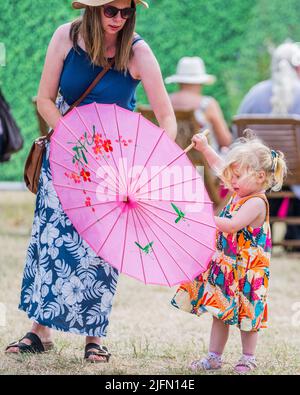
(111, 12)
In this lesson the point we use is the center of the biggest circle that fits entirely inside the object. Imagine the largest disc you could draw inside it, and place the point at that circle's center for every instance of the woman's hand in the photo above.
(201, 142)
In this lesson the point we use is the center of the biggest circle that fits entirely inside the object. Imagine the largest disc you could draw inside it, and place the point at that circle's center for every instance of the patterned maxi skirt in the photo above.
(65, 285)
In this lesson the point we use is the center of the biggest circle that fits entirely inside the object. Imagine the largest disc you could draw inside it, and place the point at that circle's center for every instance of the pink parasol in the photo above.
(132, 194)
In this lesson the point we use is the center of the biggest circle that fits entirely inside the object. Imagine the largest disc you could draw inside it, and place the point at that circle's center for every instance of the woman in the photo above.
(191, 76)
(280, 95)
(65, 286)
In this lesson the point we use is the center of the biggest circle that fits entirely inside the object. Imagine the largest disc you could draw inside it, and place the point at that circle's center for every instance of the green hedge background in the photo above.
(234, 38)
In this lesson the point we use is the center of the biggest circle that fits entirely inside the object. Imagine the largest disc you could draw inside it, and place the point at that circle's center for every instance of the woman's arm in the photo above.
(148, 71)
(51, 75)
(252, 211)
(215, 116)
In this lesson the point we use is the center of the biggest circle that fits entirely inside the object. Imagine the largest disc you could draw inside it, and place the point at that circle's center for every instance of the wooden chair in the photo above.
(43, 127)
(187, 127)
(279, 133)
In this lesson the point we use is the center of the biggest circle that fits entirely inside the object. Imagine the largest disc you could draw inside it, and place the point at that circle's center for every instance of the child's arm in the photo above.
(213, 159)
(253, 210)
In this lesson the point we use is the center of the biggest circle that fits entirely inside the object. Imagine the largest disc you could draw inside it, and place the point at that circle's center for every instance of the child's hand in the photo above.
(200, 141)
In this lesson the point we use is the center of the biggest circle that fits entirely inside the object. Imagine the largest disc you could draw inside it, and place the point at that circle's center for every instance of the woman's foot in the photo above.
(95, 352)
(212, 361)
(246, 364)
(37, 340)
(30, 344)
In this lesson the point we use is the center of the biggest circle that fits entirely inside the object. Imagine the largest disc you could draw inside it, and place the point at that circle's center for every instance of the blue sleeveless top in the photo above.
(114, 88)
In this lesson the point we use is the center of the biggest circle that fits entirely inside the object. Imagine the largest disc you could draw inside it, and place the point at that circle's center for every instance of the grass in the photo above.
(146, 335)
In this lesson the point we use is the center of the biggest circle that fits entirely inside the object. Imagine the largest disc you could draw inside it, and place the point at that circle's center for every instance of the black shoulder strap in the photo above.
(136, 38)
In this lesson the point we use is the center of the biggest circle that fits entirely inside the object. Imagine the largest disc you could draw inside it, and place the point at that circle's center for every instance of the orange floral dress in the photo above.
(234, 288)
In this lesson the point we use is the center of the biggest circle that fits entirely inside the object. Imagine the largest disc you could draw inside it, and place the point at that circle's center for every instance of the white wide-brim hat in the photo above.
(97, 3)
(191, 70)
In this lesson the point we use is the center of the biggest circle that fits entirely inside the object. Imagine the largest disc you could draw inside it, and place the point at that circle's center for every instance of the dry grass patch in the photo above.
(147, 335)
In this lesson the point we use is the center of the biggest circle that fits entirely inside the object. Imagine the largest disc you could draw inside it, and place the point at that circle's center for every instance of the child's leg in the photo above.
(218, 339)
(218, 336)
(249, 342)
(247, 362)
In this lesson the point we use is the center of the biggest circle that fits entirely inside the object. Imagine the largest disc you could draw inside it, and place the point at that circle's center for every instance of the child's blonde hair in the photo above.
(252, 156)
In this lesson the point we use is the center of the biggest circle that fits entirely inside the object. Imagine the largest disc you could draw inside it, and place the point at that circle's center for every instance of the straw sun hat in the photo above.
(191, 70)
(97, 3)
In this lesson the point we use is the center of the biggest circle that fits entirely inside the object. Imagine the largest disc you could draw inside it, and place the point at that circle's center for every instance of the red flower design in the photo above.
(97, 149)
(76, 178)
(98, 140)
(73, 176)
(124, 142)
(88, 202)
(107, 146)
(85, 175)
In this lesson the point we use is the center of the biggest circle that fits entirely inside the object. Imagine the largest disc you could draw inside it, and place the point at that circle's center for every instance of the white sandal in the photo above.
(210, 362)
(245, 364)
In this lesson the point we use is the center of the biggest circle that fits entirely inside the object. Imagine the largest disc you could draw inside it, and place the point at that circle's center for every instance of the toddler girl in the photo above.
(234, 288)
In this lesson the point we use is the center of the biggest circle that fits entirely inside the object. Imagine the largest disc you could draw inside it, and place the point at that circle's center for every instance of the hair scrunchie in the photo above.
(275, 157)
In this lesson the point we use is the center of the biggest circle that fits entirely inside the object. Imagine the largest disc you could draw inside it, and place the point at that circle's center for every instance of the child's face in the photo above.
(246, 183)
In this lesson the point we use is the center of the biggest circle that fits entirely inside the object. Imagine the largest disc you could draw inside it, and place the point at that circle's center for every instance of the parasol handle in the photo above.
(190, 147)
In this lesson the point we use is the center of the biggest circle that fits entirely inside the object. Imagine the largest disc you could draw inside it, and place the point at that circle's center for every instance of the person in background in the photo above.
(191, 76)
(279, 95)
(11, 140)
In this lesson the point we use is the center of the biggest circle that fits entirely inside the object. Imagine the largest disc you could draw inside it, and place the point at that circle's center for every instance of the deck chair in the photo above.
(43, 127)
(279, 133)
(187, 127)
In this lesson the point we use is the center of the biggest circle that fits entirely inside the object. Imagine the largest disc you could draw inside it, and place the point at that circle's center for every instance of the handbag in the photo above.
(10, 136)
(34, 160)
